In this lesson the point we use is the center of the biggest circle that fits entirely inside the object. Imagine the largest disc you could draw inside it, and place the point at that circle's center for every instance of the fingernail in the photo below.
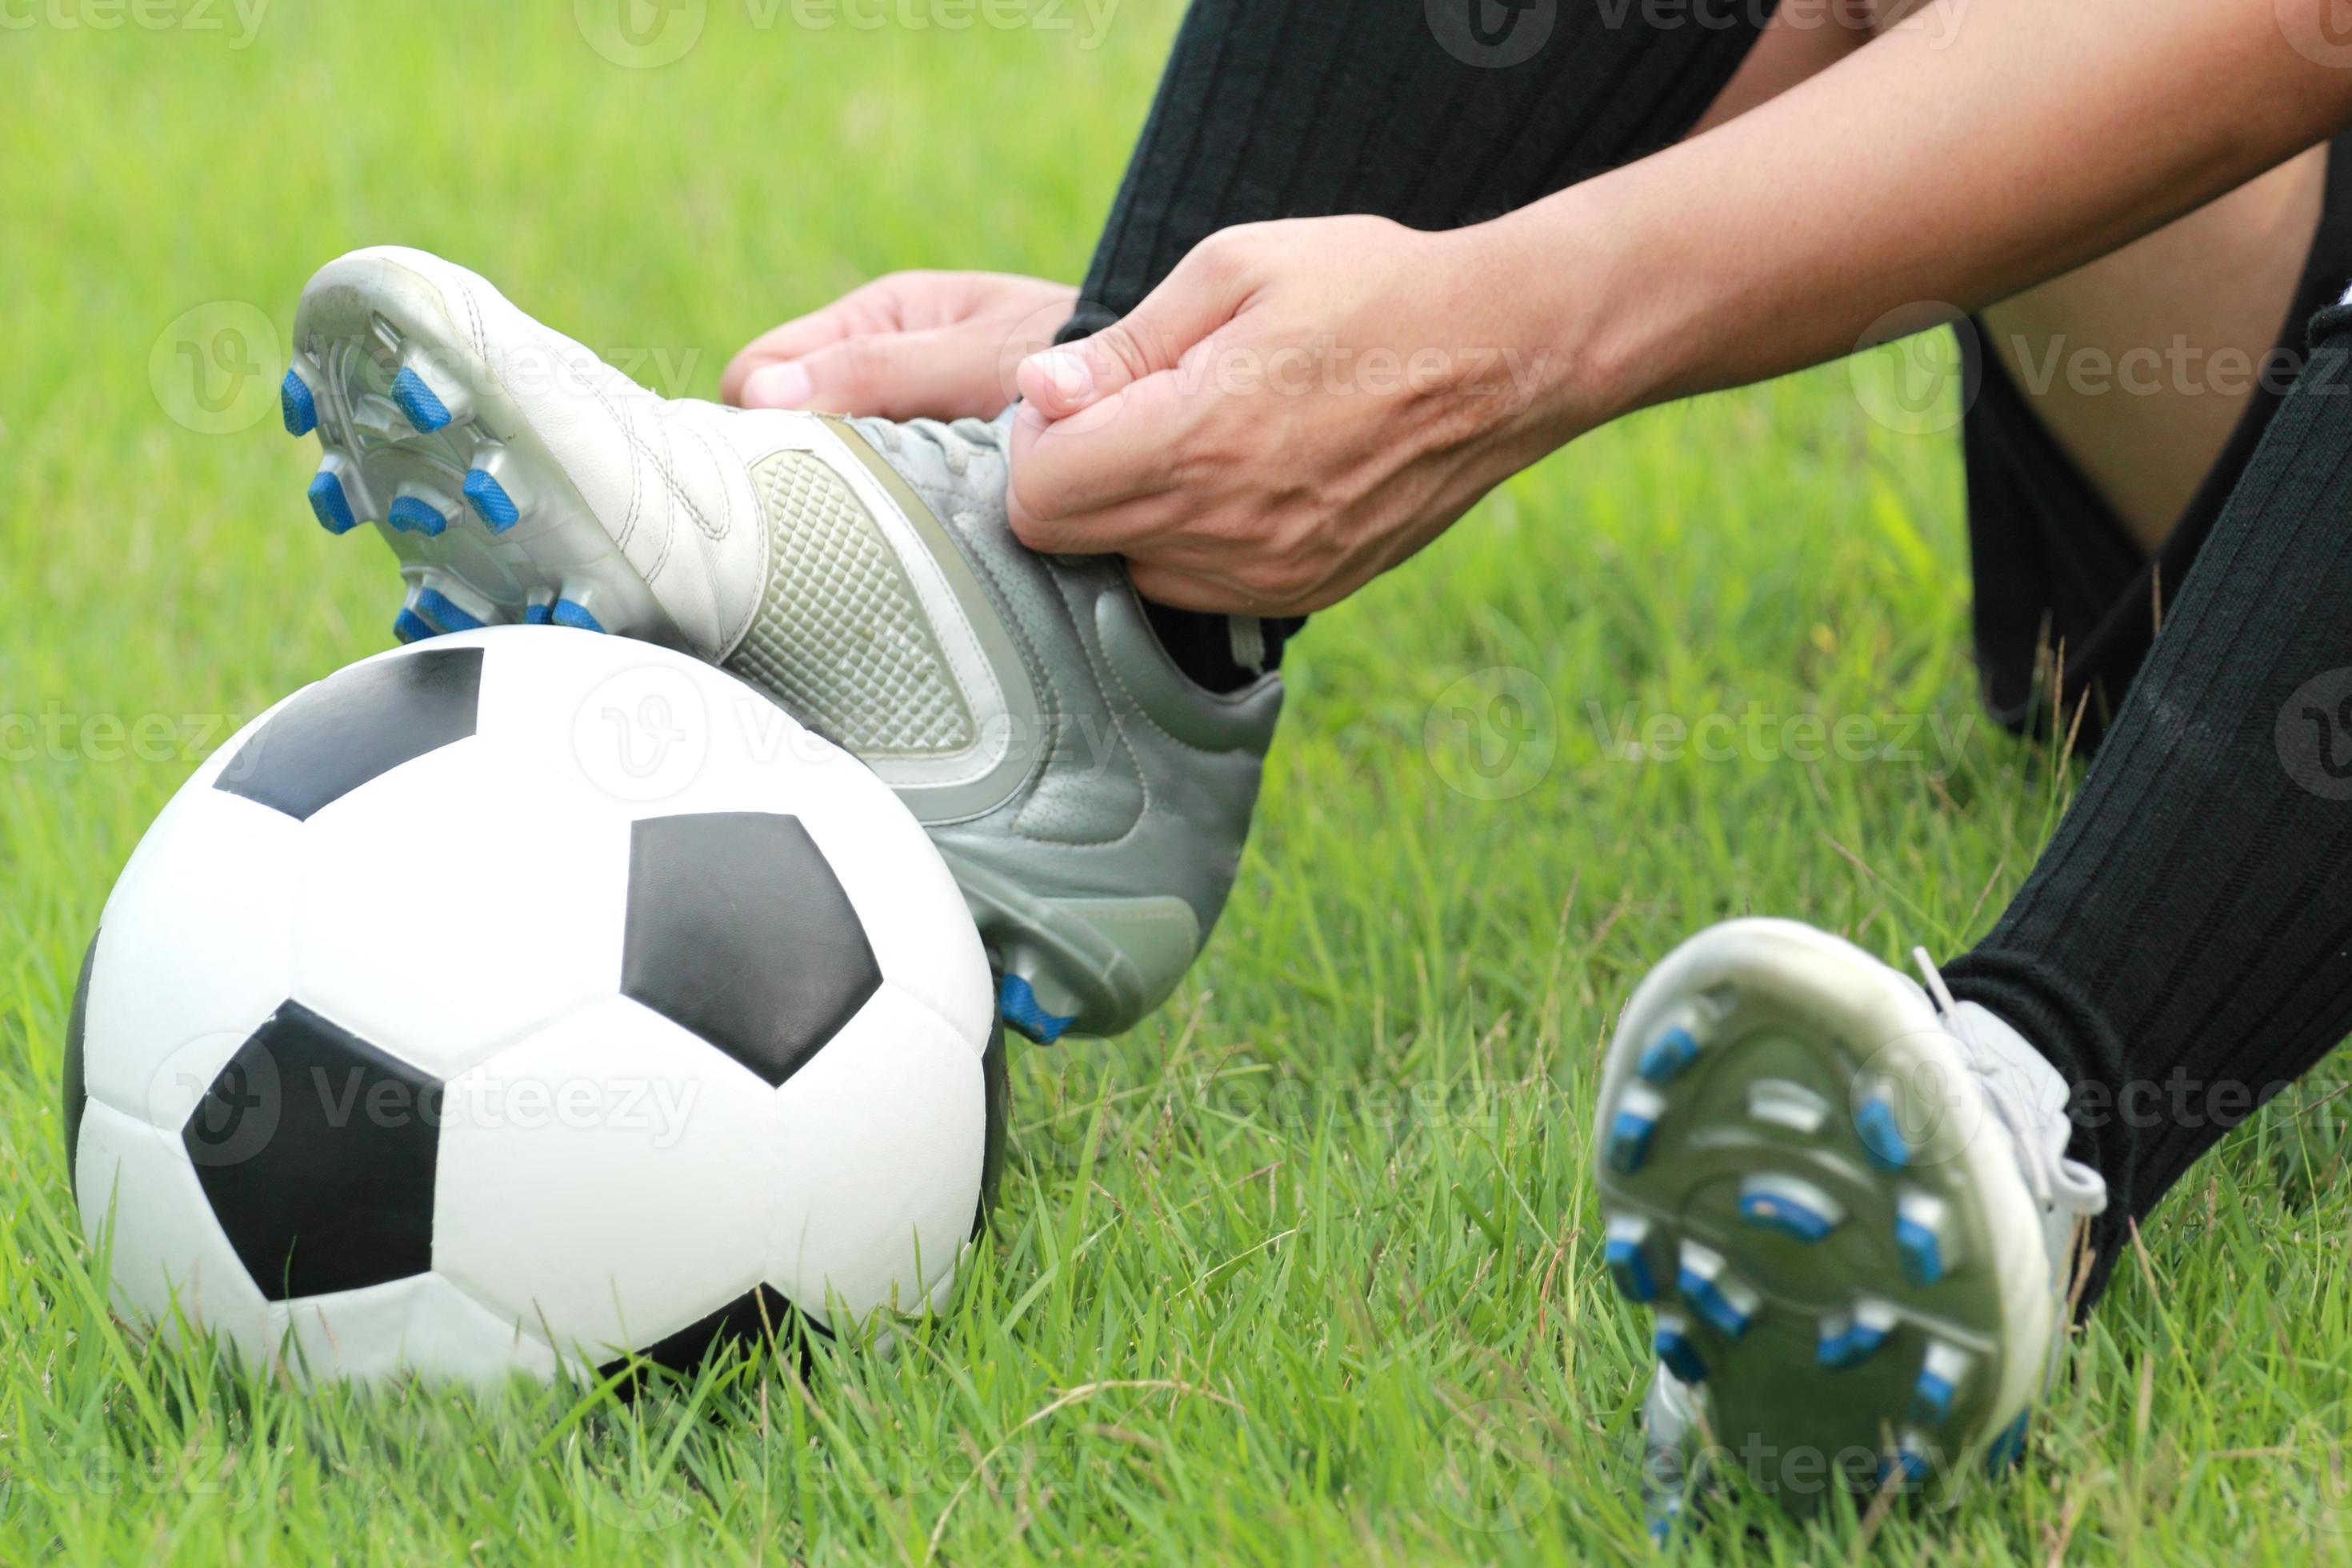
(1067, 374)
(785, 386)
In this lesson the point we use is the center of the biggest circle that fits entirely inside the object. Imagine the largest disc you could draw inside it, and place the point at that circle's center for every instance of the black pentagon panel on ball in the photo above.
(738, 931)
(76, 1082)
(996, 1087)
(760, 1314)
(356, 725)
(317, 1152)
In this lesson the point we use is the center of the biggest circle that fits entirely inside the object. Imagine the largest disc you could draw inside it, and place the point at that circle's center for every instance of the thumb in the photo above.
(1200, 296)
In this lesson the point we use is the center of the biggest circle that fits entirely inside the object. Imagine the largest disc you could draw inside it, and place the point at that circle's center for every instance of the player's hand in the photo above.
(936, 345)
(1301, 405)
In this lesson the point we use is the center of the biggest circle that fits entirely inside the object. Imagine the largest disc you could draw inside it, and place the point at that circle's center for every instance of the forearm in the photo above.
(1980, 149)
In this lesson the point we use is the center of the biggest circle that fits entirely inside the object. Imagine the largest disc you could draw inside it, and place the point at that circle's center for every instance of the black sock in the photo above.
(2182, 951)
(1437, 114)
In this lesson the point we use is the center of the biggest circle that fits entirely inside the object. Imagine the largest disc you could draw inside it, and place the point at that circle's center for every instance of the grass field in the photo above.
(1305, 1270)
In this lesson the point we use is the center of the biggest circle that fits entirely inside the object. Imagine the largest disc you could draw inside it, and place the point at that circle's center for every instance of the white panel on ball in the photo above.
(167, 1250)
(458, 902)
(610, 1175)
(881, 1147)
(192, 953)
(421, 1324)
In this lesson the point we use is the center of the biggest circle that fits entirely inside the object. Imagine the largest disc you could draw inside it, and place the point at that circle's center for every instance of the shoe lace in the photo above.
(958, 442)
(2053, 1179)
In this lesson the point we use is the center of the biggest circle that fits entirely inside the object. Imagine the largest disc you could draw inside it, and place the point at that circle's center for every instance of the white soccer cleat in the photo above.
(1850, 1207)
(1091, 800)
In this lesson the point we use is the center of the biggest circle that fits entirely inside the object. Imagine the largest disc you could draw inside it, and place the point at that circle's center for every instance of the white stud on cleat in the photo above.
(1779, 1103)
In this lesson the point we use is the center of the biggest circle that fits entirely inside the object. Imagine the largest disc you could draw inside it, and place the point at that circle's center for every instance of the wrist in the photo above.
(1590, 299)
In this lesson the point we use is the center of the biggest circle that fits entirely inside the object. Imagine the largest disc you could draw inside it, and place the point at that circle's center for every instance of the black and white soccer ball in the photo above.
(524, 999)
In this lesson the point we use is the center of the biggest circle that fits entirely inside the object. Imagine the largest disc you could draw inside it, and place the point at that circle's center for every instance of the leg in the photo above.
(1274, 109)
(2179, 951)
(1852, 1206)
(1301, 108)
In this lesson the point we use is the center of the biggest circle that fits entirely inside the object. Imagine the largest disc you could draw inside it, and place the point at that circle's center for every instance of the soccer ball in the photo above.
(525, 999)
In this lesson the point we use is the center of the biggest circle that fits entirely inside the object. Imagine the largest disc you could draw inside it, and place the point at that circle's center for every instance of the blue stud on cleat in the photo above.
(490, 501)
(1931, 1400)
(409, 626)
(1922, 1238)
(1790, 1206)
(1019, 1003)
(569, 613)
(537, 614)
(1849, 1341)
(1922, 1259)
(300, 409)
(1882, 1133)
(1707, 1283)
(331, 506)
(1713, 1304)
(445, 613)
(1905, 1467)
(2009, 1448)
(410, 515)
(424, 410)
(1941, 1374)
(1667, 1054)
(1630, 1129)
(1626, 1252)
(1673, 1342)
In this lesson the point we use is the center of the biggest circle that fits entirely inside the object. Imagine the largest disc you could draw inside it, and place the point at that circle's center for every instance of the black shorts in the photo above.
(2061, 591)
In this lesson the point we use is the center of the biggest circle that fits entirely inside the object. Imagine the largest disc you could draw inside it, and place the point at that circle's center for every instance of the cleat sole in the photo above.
(1810, 1266)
